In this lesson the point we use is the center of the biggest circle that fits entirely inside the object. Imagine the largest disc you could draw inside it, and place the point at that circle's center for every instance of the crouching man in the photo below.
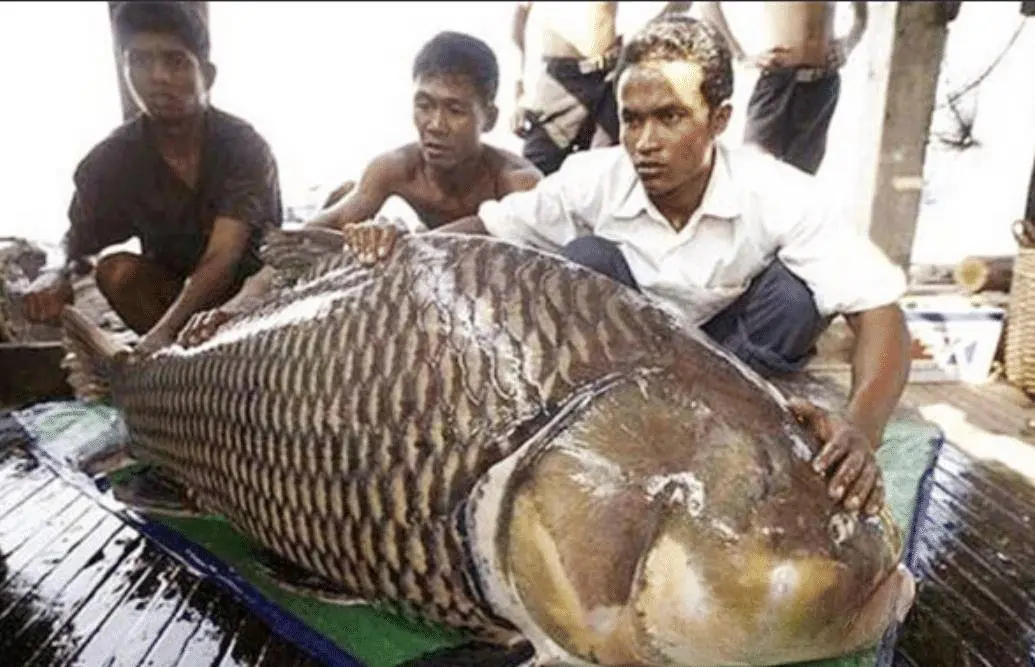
(195, 185)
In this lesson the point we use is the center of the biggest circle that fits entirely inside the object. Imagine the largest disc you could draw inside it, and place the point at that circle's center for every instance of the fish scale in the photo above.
(348, 439)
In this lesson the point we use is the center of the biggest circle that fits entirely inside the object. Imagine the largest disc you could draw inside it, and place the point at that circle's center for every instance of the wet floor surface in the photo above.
(80, 586)
(976, 602)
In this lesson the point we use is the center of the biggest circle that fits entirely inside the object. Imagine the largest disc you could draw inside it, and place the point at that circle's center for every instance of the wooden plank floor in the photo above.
(976, 603)
(976, 549)
(81, 586)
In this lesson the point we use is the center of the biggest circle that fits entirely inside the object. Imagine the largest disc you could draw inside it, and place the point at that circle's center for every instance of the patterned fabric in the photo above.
(124, 188)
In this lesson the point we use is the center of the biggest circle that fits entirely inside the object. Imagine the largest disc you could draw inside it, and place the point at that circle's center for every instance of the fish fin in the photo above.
(299, 581)
(154, 492)
(107, 462)
(91, 355)
(477, 654)
(292, 253)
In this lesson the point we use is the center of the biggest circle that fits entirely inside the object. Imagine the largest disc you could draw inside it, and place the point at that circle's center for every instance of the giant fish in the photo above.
(493, 439)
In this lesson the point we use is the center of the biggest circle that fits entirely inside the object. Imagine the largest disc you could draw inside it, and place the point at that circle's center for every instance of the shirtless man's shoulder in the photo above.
(397, 166)
(515, 173)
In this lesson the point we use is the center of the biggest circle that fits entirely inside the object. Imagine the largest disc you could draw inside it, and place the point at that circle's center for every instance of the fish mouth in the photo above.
(887, 606)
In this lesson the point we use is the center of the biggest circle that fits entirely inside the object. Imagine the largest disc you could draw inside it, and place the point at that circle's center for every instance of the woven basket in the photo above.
(1020, 330)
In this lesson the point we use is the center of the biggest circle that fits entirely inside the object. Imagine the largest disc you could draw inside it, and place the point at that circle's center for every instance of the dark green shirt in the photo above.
(124, 188)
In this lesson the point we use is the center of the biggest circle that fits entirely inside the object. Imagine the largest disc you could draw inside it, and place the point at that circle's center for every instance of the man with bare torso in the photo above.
(791, 107)
(572, 105)
(448, 171)
(446, 175)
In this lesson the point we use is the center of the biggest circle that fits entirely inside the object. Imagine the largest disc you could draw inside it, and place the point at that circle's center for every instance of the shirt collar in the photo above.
(719, 201)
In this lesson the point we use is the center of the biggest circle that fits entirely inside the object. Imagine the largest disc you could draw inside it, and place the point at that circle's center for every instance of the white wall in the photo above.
(972, 197)
(60, 96)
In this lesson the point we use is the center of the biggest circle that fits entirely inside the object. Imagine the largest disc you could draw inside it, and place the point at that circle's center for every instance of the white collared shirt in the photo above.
(754, 210)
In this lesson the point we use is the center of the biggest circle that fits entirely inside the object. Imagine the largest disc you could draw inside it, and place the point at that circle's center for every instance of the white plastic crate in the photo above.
(953, 340)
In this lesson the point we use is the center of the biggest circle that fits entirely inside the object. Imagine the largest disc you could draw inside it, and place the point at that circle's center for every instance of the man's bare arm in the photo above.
(518, 26)
(377, 183)
(472, 224)
(675, 8)
(880, 367)
(859, 20)
(713, 14)
(519, 180)
(212, 276)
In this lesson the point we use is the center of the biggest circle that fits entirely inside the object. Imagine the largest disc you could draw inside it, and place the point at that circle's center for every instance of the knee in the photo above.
(797, 304)
(593, 252)
(600, 255)
(114, 272)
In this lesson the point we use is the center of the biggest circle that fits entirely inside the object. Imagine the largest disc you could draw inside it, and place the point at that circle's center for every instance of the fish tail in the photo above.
(91, 357)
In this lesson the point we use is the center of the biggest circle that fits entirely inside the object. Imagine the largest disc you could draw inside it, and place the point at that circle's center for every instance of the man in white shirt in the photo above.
(735, 241)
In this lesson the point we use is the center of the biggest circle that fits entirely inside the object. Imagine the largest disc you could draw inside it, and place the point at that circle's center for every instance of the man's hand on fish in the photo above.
(847, 451)
(371, 243)
(154, 340)
(202, 326)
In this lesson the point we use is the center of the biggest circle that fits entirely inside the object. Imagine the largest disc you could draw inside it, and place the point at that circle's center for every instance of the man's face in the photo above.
(165, 78)
(666, 125)
(450, 117)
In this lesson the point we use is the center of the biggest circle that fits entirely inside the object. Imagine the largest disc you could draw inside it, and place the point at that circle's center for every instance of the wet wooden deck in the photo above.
(80, 586)
(976, 602)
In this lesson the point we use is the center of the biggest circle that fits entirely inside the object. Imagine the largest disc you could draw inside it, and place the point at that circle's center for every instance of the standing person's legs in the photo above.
(811, 110)
(789, 115)
(766, 124)
(773, 327)
(605, 115)
(573, 109)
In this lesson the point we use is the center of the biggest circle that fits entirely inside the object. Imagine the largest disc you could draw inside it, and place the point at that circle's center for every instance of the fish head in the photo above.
(672, 521)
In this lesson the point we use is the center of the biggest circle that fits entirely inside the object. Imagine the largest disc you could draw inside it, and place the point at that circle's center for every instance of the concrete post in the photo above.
(904, 100)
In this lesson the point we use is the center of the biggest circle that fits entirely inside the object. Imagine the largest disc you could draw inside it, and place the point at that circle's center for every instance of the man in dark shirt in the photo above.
(195, 185)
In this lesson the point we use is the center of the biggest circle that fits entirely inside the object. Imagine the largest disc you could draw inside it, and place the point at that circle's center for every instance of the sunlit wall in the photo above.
(60, 97)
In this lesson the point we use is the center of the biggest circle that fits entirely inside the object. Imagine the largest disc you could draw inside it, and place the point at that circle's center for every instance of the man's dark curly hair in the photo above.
(171, 17)
(458, 53)
(675, 37)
